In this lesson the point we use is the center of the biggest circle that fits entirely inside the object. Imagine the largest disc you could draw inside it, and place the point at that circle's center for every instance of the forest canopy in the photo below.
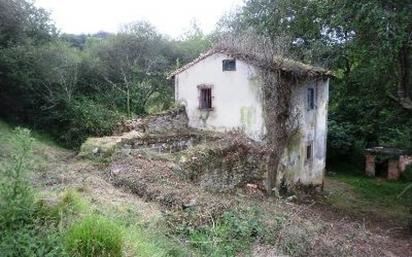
(74, 86)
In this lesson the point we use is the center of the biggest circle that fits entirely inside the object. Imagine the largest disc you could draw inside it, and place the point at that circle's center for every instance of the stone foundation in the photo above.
(223, 165)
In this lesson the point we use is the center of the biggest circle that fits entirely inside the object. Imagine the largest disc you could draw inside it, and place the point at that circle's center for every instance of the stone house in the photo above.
(222, 91)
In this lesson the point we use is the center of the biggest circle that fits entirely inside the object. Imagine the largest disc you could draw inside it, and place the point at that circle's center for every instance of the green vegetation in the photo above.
(25, 232)
(232, 234)
(94, 236)
(378, 198)
(368, 46)
(67, 225)
(74, 86)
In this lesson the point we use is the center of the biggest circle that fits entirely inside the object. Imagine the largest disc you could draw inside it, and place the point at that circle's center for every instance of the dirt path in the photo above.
(63, 170)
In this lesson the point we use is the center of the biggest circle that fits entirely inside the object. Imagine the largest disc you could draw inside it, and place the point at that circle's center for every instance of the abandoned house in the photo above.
(222, 90)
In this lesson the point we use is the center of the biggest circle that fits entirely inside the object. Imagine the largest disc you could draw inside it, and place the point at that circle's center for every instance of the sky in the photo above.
(172, 17)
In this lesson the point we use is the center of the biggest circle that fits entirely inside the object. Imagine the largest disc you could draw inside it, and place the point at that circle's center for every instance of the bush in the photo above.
(23, 231)
(32, 240)
(16, 196)
(407, 174)
(86, 118)
(94, 236)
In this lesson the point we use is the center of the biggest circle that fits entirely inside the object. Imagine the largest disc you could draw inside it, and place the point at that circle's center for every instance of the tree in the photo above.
(21, 22)
(133, 64)
(367, 44)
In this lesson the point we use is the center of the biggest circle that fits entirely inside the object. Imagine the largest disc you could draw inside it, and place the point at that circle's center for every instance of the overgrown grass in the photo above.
(233, 233)
(94, 236)
(369, 196)
(68, 225)
(24, 230)
(34, 224)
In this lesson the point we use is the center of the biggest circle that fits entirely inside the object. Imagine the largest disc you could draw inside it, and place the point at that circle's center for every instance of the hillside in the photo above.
(162, 214)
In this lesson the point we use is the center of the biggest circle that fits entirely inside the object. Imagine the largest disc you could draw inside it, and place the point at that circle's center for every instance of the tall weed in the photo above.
(94, 236)
(16, 194)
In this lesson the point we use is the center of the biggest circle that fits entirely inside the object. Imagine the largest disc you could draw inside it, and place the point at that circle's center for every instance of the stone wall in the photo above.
(173, 120)
(223, 165)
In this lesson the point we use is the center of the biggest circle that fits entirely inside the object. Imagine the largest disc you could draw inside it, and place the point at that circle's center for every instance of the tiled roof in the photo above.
(278, 63)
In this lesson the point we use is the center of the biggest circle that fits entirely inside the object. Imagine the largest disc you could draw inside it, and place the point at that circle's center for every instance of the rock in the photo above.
(190, 204)
(105, 146)
(115, 172)
(292, 198)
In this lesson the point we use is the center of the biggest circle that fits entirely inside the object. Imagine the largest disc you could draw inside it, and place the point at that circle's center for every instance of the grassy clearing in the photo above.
(351, 191)
(40, 223)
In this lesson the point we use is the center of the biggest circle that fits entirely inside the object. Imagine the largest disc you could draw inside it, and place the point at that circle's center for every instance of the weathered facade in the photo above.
(223, 92)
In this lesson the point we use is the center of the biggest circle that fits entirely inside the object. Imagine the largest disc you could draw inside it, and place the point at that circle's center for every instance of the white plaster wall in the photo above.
(237, 102)
(312, 129)
(236, 96)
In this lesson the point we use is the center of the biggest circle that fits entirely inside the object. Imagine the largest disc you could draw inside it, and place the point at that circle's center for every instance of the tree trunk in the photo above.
(404, 87)
(128, 102)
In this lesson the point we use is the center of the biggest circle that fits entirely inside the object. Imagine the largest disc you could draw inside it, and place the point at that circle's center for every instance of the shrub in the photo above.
(71, 203)
(407, 174)
(69, 206)
(32, 240)
(22, 233)
(94, 236)
(86, 118)
(16, 195)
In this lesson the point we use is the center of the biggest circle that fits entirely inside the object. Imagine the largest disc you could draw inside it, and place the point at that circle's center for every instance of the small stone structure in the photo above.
(393, 161)
(170, 121)
(165, 132)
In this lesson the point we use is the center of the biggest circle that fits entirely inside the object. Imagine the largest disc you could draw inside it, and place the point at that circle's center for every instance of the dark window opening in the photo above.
(205, 98)
(311, 98)
(309, 152)
(229, 65)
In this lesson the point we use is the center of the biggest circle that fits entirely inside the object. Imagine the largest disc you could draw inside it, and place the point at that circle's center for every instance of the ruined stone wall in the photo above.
(223, 165)
(173, 120)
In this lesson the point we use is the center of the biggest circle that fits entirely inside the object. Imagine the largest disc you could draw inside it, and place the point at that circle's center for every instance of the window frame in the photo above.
(209, 102)
(225, 64)
(311, 98)
(309, 152)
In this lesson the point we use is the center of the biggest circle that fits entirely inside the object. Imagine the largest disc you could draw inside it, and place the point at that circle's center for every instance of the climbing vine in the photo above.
(280, 121)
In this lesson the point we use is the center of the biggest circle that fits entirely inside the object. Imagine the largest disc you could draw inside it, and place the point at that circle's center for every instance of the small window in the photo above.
(205, 102)
(229, 65)
(311, 98)
(309, 152)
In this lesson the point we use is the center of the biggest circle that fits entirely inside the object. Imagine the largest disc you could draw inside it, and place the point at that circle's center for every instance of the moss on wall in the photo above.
(247, 117)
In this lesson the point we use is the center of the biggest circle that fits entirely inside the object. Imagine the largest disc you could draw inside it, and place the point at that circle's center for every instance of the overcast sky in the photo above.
(172, 17)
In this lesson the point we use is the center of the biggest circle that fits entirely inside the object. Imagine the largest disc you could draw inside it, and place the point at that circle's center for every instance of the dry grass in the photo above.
(304, 230)
(156, 192)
